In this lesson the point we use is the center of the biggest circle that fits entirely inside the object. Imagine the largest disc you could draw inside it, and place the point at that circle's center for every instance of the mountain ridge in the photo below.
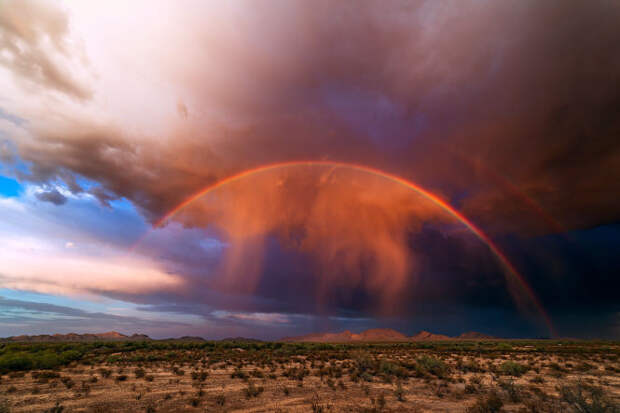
(346, 336)
(71, 337)
(382, 335)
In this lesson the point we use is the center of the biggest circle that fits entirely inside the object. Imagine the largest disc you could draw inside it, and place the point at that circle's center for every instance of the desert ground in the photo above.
(174, 376)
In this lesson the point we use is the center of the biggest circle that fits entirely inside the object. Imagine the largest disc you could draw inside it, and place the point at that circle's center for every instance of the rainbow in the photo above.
(506, 264)
(508, 186)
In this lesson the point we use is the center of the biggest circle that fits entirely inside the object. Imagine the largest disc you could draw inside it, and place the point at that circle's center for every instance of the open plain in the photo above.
(242, 376)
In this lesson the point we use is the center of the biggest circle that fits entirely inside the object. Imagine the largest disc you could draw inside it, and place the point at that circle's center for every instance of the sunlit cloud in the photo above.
(112, 114)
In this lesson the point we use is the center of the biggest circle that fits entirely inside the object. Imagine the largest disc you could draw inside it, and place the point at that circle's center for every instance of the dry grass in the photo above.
(172, 377)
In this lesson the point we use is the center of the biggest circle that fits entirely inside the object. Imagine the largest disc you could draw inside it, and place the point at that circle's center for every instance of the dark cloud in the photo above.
(52, 196)
(481, 100)
(508, 110)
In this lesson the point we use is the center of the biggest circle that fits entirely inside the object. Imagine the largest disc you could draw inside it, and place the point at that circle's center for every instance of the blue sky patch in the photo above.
(9, 187)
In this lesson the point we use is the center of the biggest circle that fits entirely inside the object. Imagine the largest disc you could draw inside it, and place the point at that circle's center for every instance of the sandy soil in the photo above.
(328, 384)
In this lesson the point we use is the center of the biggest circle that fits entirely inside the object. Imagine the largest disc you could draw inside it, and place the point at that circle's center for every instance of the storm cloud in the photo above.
(505, 110)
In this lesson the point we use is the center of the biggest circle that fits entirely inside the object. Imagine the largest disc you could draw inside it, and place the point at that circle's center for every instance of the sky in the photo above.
(269, 169)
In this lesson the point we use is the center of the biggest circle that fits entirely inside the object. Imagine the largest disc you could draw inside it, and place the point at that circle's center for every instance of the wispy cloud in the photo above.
(22, 317)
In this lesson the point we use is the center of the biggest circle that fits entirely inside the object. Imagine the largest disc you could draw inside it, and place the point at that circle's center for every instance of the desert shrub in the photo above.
(399, 392)
(390, 369)
(5, 407)
(432, 365)
(105, 373)
(585, 367)
(511, 368)
(199, 375)
(121, 377)
(140, 373)
(220, 399)
(491, 403)
(58, 408)
(588, 399)
(317, 406)
(295, 373)
(537, 380)
(556, 367)
(44, 376)
(257, 373)
(471, 366)
(67, 382)
(381, 401)
(12, 362)
(238, 373)
(149, 377)
(512, 390)
(85, 388)
(252, 390)
(331, 384)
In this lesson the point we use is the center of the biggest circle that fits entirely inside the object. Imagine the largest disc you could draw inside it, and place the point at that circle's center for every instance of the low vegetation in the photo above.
(168, 376)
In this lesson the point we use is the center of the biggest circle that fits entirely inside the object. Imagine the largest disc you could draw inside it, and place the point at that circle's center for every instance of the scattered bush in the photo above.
(58, 408)
(67, 382)
(585, 398)
(238, 373)
(220, 399)
(199, 375)
(489, 404)
(5, 407)
(121, 377)
(511, 368)
(399, 393)
(252, 390)
(512, 390)
(432, 365)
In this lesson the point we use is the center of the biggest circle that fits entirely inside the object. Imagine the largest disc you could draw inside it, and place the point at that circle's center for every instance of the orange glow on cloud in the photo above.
(45, 270)
(353, 219)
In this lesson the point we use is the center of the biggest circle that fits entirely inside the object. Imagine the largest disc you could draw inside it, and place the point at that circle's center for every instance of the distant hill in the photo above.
(109, 336)
(242, 340)
(191, 339)
(426, 336)
(381, 335)
(373, 335)
(474, 335)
